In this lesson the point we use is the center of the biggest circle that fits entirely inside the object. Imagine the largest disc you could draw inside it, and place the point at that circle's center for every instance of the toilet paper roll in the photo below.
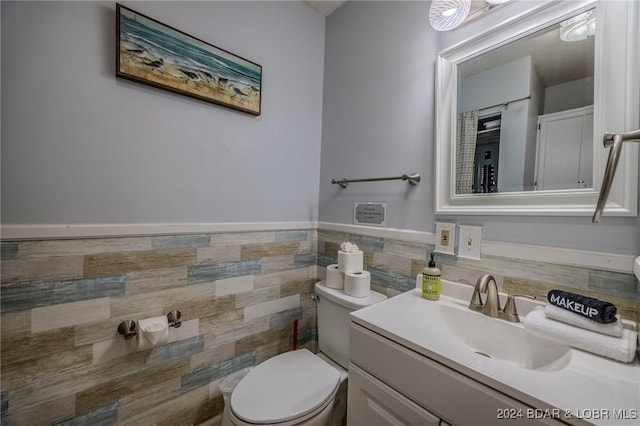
(153, 332)
(335, 278)
(350, 262)
(357, 284)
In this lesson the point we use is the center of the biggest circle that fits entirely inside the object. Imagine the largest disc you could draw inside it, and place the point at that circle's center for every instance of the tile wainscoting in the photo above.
(239, 292)
(394, 263)
(62, 300)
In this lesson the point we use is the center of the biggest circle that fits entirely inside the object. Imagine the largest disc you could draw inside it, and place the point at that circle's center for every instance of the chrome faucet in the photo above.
(510, 312)
(486, 284)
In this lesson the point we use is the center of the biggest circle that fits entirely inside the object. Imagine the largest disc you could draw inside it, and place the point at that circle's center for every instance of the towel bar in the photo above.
(413, 179)
(615, 142)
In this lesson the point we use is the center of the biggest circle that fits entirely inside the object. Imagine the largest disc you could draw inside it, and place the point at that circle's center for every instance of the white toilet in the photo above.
(299, 387)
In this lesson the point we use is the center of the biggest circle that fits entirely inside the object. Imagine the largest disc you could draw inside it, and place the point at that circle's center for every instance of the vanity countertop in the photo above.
(586, 387)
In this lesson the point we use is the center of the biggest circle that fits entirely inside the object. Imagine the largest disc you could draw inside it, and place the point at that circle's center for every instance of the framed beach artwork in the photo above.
(152, 53)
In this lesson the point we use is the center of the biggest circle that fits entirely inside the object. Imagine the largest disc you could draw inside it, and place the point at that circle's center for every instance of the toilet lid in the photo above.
(284, 387)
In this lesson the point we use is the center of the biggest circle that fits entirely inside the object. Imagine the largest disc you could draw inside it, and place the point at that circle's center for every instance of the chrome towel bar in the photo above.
(613, 140)
(413, 179)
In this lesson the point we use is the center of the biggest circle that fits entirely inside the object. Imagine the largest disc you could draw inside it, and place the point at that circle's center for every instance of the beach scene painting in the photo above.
(158, 55)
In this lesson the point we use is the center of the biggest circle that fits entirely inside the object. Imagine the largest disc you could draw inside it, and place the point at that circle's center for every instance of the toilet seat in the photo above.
(299, 382)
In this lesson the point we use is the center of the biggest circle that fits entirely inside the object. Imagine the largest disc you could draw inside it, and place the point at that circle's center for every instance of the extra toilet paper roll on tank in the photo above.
(350, 262)
(335, 278)
(357, 284)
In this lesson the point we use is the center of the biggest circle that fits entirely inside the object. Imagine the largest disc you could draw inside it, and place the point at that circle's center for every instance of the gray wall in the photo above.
(80, 146)
(574, 94)
(379, 120)
(378, 111)
(495, 85)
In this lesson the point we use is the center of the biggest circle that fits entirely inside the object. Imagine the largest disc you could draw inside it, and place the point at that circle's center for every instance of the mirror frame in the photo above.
(616, 109)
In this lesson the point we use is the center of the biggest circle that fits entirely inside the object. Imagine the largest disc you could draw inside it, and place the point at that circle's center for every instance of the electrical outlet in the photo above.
(469, 244)
(445, 237)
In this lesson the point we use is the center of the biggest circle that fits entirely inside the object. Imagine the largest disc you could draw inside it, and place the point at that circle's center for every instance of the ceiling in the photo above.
(555, 61)
(326, 7)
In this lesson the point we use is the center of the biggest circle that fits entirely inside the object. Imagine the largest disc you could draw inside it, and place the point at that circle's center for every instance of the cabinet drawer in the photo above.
(371, 402)
(450, 395)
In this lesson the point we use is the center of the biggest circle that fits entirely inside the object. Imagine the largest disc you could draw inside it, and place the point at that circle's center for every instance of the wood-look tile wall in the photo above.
(394, 264)
(62, 300)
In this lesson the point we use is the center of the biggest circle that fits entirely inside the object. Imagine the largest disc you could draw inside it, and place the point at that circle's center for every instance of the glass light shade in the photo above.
(574, 19)
(445, 15)
(496, 1)
(591, 26)
(575, 32)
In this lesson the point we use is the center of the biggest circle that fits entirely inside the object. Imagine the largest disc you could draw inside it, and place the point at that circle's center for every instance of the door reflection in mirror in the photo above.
(467, 128)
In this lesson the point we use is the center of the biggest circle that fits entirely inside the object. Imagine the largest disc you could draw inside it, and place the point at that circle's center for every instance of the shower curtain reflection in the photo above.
(467, 127)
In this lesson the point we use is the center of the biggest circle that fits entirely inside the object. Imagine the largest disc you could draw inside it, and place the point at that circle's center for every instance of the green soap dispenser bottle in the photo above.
(431, 281)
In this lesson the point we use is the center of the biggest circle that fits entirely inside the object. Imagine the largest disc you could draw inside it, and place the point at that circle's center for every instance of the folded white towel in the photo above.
(611, 329)
(618, 348)
(153, 332)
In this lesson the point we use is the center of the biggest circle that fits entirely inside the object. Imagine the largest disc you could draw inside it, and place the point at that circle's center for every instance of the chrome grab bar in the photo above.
(613, 140)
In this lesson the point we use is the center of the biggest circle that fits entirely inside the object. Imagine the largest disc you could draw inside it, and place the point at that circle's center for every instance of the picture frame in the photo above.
(153, 53)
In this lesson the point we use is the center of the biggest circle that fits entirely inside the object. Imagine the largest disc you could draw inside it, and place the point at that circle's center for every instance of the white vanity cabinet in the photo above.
(390, 384)
(371, 402)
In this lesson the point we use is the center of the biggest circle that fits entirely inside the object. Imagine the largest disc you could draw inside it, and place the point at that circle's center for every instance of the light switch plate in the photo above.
(445, 238)
(469, 243)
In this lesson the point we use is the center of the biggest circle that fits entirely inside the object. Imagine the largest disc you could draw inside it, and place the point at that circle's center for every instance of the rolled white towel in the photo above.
(611, 329)
(618, 348)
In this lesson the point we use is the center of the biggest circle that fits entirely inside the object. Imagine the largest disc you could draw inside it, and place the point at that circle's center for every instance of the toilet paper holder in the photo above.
(129, 328)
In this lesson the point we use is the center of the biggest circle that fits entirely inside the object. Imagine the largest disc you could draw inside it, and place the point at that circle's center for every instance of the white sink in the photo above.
(503, 356)
(501, 340)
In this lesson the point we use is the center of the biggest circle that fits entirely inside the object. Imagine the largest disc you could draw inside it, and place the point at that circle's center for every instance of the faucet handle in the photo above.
(476, 300)
(510, 311)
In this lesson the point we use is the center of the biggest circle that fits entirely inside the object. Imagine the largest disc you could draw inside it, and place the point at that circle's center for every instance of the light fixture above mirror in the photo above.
(578, 27)
(445, 15)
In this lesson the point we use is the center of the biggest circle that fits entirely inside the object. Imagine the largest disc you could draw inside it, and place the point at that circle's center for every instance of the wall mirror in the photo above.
(522, 108)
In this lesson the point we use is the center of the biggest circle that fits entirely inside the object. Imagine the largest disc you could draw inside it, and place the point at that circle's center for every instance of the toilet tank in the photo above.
(333, 309)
